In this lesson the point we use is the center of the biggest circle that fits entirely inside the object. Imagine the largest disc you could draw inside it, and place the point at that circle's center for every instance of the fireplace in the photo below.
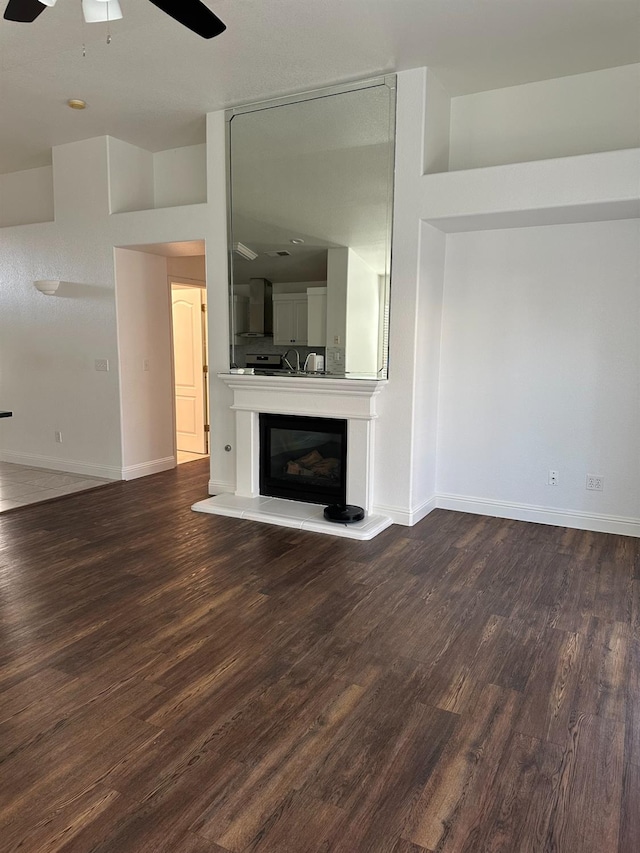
(303, 458)
(304, 399)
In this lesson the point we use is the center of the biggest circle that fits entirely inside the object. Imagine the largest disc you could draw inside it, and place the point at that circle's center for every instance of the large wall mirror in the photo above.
(310, 212)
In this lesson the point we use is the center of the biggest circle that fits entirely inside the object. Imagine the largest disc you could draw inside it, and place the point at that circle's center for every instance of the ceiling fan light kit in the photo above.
(98, 11)
(192, 14)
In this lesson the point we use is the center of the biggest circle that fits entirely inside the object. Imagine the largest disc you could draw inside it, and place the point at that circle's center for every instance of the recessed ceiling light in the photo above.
(76, 104)
(297, 240)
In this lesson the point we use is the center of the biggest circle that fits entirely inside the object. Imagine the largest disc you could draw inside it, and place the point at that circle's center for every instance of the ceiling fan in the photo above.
(193, 14)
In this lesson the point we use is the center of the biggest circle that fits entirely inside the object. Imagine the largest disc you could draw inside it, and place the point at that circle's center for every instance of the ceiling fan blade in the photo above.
(24, 11)
(194, 15)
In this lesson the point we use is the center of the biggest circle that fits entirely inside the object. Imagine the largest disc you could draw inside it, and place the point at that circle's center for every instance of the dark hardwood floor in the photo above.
(173, 682)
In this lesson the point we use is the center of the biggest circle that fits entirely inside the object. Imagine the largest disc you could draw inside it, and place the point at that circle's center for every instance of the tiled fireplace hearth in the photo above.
(350, 401)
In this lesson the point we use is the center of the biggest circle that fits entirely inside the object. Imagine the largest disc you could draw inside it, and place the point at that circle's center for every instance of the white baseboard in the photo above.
(133, 472)
(217, 487)
(407, 518)
(69, 466)
(596, 522)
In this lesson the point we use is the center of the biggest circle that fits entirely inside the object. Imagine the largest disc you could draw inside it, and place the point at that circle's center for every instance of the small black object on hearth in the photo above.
(343, 513)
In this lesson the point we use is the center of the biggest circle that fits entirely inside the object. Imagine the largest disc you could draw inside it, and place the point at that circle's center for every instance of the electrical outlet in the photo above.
(595, 483)
(58, 436)
(552, 479)
(102, 364)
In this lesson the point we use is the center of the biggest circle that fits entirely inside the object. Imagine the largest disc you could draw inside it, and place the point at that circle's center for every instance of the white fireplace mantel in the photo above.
(315, 396)
(353, 400)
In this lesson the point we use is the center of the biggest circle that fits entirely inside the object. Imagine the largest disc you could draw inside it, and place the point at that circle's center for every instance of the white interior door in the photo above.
(189, 366)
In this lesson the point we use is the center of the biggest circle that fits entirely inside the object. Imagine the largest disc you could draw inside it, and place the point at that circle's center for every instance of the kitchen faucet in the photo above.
(288, 363)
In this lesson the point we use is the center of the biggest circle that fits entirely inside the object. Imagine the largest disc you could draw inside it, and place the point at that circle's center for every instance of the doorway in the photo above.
(144, 279)
(189, 329)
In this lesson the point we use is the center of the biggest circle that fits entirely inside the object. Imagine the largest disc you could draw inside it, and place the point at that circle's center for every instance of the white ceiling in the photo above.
(153, 85)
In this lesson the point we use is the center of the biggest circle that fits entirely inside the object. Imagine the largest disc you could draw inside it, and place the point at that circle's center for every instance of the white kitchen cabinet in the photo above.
(290, 319)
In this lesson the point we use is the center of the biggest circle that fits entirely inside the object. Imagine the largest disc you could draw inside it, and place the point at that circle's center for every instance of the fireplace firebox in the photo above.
(303, 458)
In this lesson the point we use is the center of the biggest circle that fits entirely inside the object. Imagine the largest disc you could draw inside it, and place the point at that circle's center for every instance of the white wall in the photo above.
(143, 305)
(337, 277)
(541, 370)
(427, 359)
(462, 432)
(404, 486)
(26, 197)
(180, 176)
(580, 114)
(131, 177)
(141, 180)
(363, 316)
(48, 345)
(223, 433)
(437, 122)
(352, 313)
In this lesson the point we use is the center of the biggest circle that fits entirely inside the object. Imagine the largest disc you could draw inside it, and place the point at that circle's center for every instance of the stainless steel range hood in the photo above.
(260, 309)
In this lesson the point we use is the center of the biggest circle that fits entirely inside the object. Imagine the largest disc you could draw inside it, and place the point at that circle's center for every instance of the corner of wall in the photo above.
(437, 126)
(81, 179)
(223, 474)
(130, 171)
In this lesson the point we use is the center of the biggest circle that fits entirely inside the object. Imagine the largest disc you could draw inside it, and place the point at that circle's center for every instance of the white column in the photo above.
(359, 463)
(247, 454)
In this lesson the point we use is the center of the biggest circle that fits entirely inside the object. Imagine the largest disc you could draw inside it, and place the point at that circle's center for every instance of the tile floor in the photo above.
(21, 485)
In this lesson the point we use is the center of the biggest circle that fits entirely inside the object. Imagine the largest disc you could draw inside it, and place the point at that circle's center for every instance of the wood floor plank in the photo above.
(234, 823)
(403, 846)
(584, 811)
(30, 691)
(172, 682)
(613, 592)
(451, 803)
(533, 835)
(505, 801)
(572, 591)
(56, 829)
(379, 811)
(63, 770)
(632, 734)
(550, 691)
(635, 608)
(603, 669)
(630, 811)
(299, 823)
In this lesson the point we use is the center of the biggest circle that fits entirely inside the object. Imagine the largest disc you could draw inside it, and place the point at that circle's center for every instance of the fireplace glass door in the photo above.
(303, 459)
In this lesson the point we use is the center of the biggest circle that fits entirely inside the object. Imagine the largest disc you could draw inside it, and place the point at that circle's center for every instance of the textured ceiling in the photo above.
(153, 85)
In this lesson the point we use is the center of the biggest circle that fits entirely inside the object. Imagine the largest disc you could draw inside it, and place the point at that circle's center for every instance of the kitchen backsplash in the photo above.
(266, 346)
